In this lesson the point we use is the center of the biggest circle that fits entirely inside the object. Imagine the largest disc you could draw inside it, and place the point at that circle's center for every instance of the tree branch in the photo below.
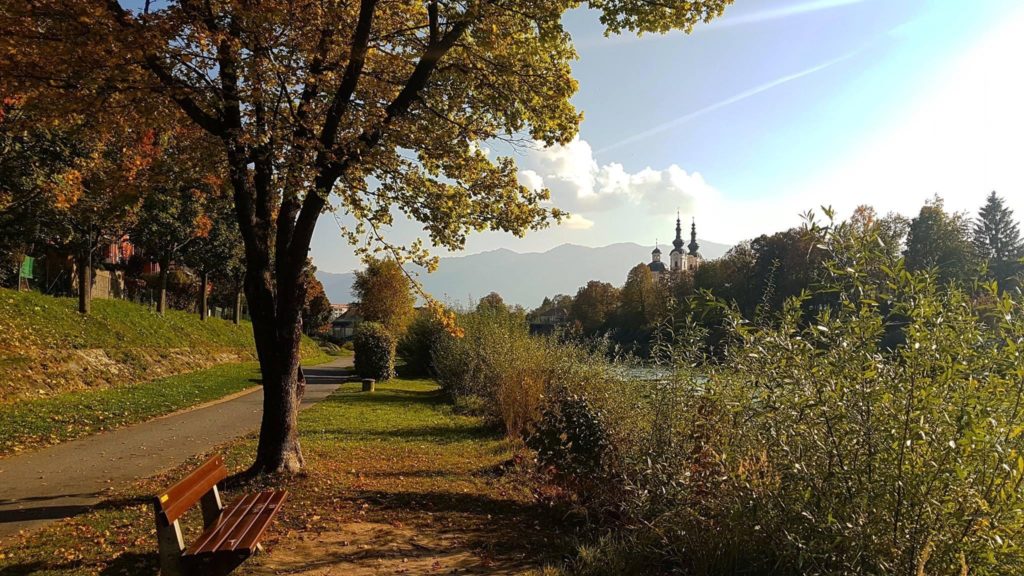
(410, 92)
(311, 87)
(350, 78)
(315, 199)
(433, 22)
(178, 91)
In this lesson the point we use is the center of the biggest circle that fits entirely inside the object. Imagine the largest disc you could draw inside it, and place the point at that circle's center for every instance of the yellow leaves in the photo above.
(446, 318)
(66, 189)
(639, 17)
(203, 225)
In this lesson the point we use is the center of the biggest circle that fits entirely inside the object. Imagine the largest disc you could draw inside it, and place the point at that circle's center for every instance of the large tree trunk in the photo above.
(274, 291)
(84, 264)
(204, 281)
(276, 330)
(161, 298)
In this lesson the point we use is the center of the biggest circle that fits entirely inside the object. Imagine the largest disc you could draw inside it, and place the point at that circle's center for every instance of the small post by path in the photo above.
(369, 384)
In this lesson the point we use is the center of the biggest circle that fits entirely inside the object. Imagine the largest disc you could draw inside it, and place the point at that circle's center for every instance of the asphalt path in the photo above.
(43, 486)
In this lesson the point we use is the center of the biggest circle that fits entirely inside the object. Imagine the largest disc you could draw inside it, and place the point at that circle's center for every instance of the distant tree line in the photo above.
(758, 276)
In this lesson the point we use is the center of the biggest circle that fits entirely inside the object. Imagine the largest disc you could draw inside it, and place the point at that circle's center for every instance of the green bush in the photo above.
(821, 443)
(416, 346)
(905, 460)
(510, 373)
(571, 442)
(375, 351)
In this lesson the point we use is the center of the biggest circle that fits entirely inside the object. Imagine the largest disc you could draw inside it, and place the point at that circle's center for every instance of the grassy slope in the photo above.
(39, 337)
(33, 325)
(33, 320)
(435, 487)
(47, 348)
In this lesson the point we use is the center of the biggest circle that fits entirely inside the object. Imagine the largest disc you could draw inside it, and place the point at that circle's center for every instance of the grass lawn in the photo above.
(33, 423)
(34, 320)
(395, 483)
(48, 349)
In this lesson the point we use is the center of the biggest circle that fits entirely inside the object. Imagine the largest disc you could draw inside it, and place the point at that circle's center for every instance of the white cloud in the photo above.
(531, 180)
(579, 184)
(577, 222)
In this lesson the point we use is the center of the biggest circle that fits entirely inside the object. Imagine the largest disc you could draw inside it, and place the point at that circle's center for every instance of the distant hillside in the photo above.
(523, 279)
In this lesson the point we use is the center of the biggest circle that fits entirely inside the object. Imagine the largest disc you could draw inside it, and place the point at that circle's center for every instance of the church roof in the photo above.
(656, 250)
(657, 267)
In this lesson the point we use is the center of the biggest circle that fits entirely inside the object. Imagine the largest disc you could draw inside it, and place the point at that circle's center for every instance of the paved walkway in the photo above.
(67, 479)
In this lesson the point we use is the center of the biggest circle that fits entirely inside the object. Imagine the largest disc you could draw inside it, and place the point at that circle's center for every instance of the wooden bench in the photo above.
(231, 534)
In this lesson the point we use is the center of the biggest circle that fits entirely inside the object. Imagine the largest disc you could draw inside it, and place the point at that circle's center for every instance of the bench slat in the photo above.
(241, 527)
(261, 522)
(229, 535)
(212, 537)
(177, 499)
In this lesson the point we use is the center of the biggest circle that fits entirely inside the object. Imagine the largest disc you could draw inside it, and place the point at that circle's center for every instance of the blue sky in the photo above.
(779, 107)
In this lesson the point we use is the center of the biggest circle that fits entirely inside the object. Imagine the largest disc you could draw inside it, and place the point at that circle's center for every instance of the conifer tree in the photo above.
(996, 237)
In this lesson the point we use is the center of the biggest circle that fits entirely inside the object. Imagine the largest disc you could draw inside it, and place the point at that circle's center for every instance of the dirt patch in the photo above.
(370, 548)
(42, 373)
(398, 483)
(438, 532)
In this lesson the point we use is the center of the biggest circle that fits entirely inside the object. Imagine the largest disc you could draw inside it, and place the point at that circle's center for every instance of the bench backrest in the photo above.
(177, 499)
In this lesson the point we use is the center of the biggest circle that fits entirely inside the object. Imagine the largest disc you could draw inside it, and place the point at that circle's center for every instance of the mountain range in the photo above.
(521, 278)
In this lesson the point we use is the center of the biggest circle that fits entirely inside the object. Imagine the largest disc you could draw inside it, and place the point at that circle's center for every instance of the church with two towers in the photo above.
(679, 260)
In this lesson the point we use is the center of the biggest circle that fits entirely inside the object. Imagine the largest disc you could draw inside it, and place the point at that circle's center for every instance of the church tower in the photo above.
(656, 265)
(676, 260)
(693, 239)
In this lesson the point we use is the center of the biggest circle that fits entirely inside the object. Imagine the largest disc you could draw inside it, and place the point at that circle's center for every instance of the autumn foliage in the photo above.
(370, 109)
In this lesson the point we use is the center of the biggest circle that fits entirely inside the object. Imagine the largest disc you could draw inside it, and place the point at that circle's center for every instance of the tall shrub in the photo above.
(498, 367)
(374, 351)
(906, 460)
(416, 346)
(818, 446)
